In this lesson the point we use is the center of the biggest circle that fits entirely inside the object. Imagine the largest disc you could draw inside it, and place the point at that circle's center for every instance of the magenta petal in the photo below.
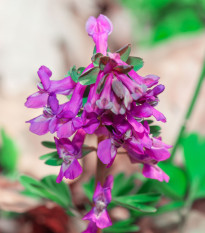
(72, 107)
(98, 191)
(158, 115)
(63, 86)
(138, 127)
(158, 89)
(103, 220)
(105, 101)
(39, 125)
(154, 172)
(53, 103)
(37, 100)
(74, 170)
(60, 175)
(151, 80)
(92, 228)
(101, 24)
(79, 138)
(141, 111)
(104, 151)
(107, 190)
(159, 154)
(44, 74)
(90, 215)
(53, 124)
(64, 147)
(99, 29)
(105, 24)
(65, 130)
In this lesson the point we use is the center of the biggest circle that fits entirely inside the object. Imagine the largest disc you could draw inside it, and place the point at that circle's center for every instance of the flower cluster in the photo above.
(107, 98)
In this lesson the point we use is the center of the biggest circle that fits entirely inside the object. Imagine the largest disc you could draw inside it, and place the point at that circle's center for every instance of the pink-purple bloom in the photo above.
(108, 99)
(47, 86)
(118, 104)
(70, 152)
(98, 215)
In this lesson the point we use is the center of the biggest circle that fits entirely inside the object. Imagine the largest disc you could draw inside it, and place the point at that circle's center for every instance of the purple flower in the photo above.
(70, 152)
(47, 86)
(48, 120)
(99, 29)
(101, 198)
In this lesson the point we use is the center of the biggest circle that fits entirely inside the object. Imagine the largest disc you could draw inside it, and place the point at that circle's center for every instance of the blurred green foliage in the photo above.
(8, 155)
(157, 20)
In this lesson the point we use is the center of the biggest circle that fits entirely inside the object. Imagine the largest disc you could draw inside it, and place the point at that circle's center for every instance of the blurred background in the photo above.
(168, 34)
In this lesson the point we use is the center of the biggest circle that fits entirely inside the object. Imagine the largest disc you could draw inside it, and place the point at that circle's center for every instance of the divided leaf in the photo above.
(124, 52)
(89, 76)
(49, 189)
(136, 62)
(75, 73)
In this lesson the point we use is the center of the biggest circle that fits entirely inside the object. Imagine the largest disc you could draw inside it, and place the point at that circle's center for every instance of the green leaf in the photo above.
(133, 205)
(75, 73)
(139, 198)
(89, 77)
(96, 59)
(49, 155)
(94, 50)
(54, 162)
(49, 144)
(136, 62)
(177, 186)
(8, 154)
(124, 52)
(49, 189)
(124, 226)
(155, 130)
(122, 185)
(194, 155)
(61, 189)
(89, 188)
(172, 206)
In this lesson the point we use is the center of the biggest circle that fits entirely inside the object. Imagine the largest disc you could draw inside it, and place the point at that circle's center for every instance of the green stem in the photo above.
(189, 112)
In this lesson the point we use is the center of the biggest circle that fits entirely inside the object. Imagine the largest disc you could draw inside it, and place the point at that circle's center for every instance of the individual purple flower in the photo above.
(101, 198)
(48, 120)
(99, 29)
(47, 86)
(70, 152)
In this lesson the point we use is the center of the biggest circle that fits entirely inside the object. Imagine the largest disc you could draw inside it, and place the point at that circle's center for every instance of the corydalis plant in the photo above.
(110, 99)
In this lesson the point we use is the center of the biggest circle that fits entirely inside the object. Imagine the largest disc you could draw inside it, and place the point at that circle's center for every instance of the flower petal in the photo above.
(39, 125)
(92, 228)
(44, 74)
(104, 151)
(74, 170)
(154, 172)
(37, 100)
(65, 130)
